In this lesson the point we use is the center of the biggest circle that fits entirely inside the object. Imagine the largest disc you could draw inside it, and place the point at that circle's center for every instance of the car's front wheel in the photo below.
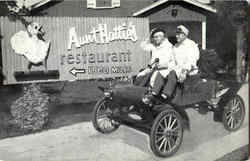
(102, 117)
(166, 133)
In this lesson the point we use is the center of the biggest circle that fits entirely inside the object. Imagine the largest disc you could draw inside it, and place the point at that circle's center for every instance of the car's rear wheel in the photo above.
(166, 133)
(234, 114)
(102, 117)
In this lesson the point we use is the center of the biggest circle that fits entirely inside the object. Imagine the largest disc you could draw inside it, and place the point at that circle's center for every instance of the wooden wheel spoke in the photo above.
(165, 146)
(228, 115)
(103, 107)
(232, 123)
(169, 145)
(237, 105)
(229, 121)
(165, 122)
(169, 121)
(160, 138)
(105, 124)
(233, 102)
(162, 143)
(161, 126)
(102, 124)
(109, 123)
(173, 123)
(237, 109)
(159, 133)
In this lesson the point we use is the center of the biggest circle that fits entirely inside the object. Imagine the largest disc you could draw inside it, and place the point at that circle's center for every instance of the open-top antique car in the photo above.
(209, 90)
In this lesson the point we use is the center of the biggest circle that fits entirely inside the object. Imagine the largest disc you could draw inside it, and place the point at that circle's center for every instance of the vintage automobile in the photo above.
(209, 90)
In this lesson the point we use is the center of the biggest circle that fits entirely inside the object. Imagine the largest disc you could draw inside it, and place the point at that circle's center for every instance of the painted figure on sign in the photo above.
(31, 45)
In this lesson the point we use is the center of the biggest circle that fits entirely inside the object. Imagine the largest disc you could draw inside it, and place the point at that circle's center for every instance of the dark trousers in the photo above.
(142, 80)
(165, 85)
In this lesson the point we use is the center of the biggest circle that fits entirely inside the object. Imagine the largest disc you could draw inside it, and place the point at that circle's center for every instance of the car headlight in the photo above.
(108, 93)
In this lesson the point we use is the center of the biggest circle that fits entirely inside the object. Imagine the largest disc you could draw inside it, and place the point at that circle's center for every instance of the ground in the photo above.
(71, 136)
(237, 155)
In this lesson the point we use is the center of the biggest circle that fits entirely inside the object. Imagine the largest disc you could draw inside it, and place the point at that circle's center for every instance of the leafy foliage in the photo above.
(233, 13)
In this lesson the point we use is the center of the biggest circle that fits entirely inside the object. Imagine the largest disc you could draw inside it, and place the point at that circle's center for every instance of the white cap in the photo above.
(182, 29)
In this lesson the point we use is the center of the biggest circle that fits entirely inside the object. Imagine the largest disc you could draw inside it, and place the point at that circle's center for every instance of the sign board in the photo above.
(78, 48)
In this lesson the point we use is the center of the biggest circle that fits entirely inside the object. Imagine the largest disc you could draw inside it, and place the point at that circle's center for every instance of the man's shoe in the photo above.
(135, 116)
(164, 96)
(147, 99)
(132, 107)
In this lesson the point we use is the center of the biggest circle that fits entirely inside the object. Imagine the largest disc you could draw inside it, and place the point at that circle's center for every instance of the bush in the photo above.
(30, 111)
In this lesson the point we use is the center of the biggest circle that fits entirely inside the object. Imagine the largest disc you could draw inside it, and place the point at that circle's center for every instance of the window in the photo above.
(102, 4)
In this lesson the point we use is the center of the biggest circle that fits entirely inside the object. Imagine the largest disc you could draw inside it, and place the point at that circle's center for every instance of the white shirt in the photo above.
(163, 52)
(186, 55)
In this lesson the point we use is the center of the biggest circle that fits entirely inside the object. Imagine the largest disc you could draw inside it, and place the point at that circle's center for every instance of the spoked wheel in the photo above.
(166, 133)
(102, 120)
(234, 114)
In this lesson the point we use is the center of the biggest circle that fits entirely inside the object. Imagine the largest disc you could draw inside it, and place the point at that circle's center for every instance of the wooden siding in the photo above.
(57, 30)
(79, 8)
(183, 14)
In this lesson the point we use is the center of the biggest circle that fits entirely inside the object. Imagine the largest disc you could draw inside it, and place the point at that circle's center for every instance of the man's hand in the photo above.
(183, 75)
(184, 71)
(154, 66)
(144, 72)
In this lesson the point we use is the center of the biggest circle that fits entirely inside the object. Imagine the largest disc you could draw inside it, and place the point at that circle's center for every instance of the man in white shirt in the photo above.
(186, 53)
(161, 49)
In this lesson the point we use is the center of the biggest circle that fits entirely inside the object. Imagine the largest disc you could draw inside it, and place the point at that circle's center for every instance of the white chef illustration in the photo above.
(31, 45)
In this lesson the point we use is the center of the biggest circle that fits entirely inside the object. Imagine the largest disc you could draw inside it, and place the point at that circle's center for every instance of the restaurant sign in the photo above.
(63, 48)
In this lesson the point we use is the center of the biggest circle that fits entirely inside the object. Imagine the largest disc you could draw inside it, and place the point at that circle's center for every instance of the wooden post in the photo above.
(239, 53)
(204, 35)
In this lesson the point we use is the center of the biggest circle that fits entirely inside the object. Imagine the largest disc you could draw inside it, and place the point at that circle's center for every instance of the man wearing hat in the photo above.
(186, 54)
(161, 49)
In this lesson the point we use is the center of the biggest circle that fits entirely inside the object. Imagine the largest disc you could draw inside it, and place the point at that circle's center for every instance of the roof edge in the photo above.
(160, 2)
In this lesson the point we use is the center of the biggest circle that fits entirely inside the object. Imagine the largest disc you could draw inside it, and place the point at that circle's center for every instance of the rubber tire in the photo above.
(94, 120)
(224, 120)
(153, 130)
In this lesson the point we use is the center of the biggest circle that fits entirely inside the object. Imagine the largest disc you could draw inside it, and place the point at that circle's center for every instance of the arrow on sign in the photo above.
(75, 71)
